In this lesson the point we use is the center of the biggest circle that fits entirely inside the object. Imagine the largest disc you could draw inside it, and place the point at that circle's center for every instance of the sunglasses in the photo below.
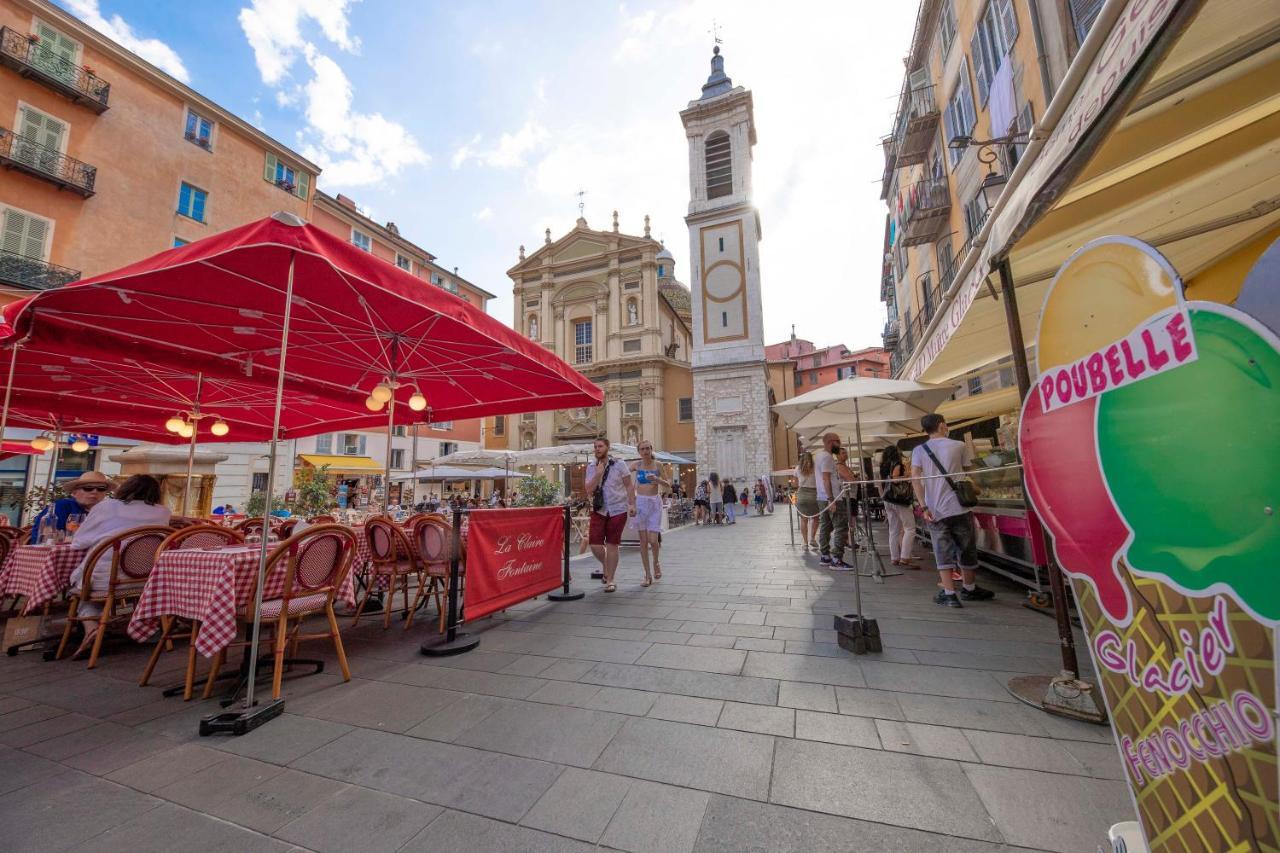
(92, 489)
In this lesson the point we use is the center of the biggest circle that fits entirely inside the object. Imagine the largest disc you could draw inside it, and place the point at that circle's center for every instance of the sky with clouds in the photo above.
(474, 125)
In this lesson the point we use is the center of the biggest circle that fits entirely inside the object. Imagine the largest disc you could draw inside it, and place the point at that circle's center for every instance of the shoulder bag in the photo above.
(597, 497)
(965, 493)
(899, 492)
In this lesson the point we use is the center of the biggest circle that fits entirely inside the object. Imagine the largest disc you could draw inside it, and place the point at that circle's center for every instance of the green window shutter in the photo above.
(1008, 23)
(303, 185)
(363, 441)
(24, 235)
(14, 230)
(54, 132)
(269, 171)
(32, 125)
(37, 231)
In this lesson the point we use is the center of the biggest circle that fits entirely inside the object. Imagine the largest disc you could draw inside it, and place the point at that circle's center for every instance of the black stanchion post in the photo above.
(566, 594)
(454, 643)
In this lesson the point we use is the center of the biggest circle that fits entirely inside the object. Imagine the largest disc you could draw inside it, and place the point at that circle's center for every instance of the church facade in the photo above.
(731, 394)
(610, 305)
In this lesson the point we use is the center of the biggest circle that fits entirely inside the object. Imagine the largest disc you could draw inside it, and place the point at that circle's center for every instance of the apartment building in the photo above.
(979, 74)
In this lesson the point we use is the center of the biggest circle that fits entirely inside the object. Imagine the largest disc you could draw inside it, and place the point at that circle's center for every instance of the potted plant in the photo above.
(313, 494)
(33, 38)
(537, 491)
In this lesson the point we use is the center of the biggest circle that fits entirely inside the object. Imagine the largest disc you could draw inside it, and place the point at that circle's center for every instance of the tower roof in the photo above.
(718, 83)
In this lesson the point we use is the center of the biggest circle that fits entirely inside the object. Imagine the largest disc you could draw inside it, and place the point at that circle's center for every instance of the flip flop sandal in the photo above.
(657, 573)
(646, 582)
(610, 587)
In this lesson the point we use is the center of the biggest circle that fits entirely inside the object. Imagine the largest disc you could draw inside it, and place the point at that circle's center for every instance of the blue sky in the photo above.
(473, 125)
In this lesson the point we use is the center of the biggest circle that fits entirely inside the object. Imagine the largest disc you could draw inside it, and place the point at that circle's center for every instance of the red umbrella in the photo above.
(10, 449)
(283, 300)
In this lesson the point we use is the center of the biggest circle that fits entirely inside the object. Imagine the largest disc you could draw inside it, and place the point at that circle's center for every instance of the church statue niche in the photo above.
(633, 313)
(533, 327)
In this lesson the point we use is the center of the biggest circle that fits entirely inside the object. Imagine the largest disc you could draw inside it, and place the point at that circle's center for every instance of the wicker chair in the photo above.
(434, 538)
(391, 557)
(191, 536)
(314, 564)
(322, 519)
(132, 555)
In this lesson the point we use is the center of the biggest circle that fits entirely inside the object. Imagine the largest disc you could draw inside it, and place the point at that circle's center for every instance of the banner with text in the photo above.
(1145, 448)
(512, 555)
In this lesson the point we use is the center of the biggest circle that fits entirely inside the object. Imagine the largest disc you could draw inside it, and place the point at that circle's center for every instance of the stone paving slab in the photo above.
(710, 712)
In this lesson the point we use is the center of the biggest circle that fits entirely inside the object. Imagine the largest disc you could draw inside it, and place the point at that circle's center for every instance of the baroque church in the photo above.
(609, 304)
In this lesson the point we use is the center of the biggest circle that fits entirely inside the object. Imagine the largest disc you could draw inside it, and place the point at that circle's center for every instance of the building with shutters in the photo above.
(107, 159)
(977, 70)
(609, 304)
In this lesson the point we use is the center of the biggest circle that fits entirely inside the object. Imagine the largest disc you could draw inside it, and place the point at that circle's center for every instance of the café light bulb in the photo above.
(373, 404)
(79, 445)
(174, 424)
(187, 430)
(41, 443)
(220, 427)
(381, 392)
(417, 402)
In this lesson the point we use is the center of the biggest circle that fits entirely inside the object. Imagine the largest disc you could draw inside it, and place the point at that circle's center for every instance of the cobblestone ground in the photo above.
(710, 712)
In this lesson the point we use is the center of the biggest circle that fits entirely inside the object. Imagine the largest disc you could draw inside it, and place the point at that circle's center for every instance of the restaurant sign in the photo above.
(1148, 446)
(512, 555)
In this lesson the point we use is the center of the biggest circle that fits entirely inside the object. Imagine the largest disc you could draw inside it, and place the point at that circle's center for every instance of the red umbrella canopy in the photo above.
(217, 307)
(9, 449)
(133, 397)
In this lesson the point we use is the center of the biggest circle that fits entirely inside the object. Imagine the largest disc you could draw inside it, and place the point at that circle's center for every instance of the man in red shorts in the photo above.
(613, 498)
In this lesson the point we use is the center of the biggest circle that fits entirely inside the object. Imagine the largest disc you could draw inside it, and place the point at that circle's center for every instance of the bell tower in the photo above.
(730, 373)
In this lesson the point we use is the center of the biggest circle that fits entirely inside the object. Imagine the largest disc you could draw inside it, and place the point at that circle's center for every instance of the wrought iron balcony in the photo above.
(890, 145)
(917, 125)
(925, 206)
(30, 58)
(68, 173)
(33, 273)
(890, 334)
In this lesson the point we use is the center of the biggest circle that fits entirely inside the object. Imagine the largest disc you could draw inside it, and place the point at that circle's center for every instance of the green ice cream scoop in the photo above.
(1192, 458)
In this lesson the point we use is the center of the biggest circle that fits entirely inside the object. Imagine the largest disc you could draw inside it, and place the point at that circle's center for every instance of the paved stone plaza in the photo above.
(711, 712)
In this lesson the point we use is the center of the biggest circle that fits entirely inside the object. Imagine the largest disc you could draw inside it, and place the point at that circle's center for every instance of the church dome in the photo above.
(678, 297)
(666, 264)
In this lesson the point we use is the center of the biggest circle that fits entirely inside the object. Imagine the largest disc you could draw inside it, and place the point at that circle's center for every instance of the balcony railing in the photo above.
(30, 58)
(916, 126)
(33, 273)
(18, 152)
(890, 334)
(890, 145)
(925, 206)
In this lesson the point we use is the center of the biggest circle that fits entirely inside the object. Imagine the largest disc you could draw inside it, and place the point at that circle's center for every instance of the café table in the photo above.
(209, 586)
(39, 572)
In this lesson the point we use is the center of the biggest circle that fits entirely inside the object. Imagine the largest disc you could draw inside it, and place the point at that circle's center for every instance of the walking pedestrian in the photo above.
(613, 498)
(744, 498)
(807, 502)
(648, 480)
(729, 495)
(759, 497)
(701, 504)
(833, 523)
(950, 522)
(898, 498)
(715, 489)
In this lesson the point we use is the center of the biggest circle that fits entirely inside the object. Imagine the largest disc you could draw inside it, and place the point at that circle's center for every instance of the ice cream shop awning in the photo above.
(1166, 128)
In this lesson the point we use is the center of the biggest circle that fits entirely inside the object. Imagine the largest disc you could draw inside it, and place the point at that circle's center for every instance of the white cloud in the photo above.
(115, 28)
(484, 214)
(274, 31)
(511, 151)
(351, 147)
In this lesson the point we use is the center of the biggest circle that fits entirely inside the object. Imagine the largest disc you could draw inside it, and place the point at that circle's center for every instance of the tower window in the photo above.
(662, 271)
(724, 319)
(719, 165)
(722, 244)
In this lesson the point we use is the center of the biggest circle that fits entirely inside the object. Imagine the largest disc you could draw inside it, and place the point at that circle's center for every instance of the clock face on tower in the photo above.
(724, 297)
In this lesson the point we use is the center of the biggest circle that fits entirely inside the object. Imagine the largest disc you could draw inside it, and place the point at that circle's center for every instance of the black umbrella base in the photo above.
(243, 721)
(460, 644)
(1063, 695)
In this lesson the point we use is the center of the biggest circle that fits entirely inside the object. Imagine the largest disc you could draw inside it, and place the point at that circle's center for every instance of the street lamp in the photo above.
(994, 183)
(80, 445)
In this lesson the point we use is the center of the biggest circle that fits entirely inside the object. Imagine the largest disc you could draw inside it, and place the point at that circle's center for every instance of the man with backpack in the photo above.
(613, 498)
(947, 502)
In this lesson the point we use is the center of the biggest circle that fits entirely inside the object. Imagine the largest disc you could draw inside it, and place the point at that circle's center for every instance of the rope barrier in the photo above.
(876, 481)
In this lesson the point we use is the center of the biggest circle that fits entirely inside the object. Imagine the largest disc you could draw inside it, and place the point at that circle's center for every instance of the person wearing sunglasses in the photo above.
(85, 492)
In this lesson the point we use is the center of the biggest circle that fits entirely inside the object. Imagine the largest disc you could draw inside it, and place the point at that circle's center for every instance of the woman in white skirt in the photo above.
(901, 518)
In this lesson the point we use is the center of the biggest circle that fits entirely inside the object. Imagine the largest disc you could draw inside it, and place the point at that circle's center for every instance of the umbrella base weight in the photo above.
(566, 595)
(1063, 695)
(241, 722)
(460, 644)
(857, 634)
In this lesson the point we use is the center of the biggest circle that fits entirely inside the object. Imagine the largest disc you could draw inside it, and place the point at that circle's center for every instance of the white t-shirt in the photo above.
(803, 482)
(615, 487)
(824, 463)
(954, 455)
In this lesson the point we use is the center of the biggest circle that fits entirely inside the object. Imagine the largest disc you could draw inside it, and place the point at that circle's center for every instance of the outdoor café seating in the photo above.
(132, 554)
(305, 573)
(391, 562)
(433, 536)
(196, 536)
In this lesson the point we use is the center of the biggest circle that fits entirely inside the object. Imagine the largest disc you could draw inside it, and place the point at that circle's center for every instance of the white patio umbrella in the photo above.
(454, 472)
(486, 458)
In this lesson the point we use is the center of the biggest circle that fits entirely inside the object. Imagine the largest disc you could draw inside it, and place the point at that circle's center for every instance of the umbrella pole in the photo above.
(414, 469)
(386, 476)
(191, 448)
(53, 462)
(8, 389)
(248, 719)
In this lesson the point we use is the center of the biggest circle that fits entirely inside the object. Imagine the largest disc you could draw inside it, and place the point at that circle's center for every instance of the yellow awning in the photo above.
(361, 464)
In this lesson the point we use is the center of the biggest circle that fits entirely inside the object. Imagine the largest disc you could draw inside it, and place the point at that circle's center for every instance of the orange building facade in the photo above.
(107, 159)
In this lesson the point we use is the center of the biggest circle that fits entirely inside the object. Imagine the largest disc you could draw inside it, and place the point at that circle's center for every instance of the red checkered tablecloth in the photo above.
(208, 586)
(39, 572)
